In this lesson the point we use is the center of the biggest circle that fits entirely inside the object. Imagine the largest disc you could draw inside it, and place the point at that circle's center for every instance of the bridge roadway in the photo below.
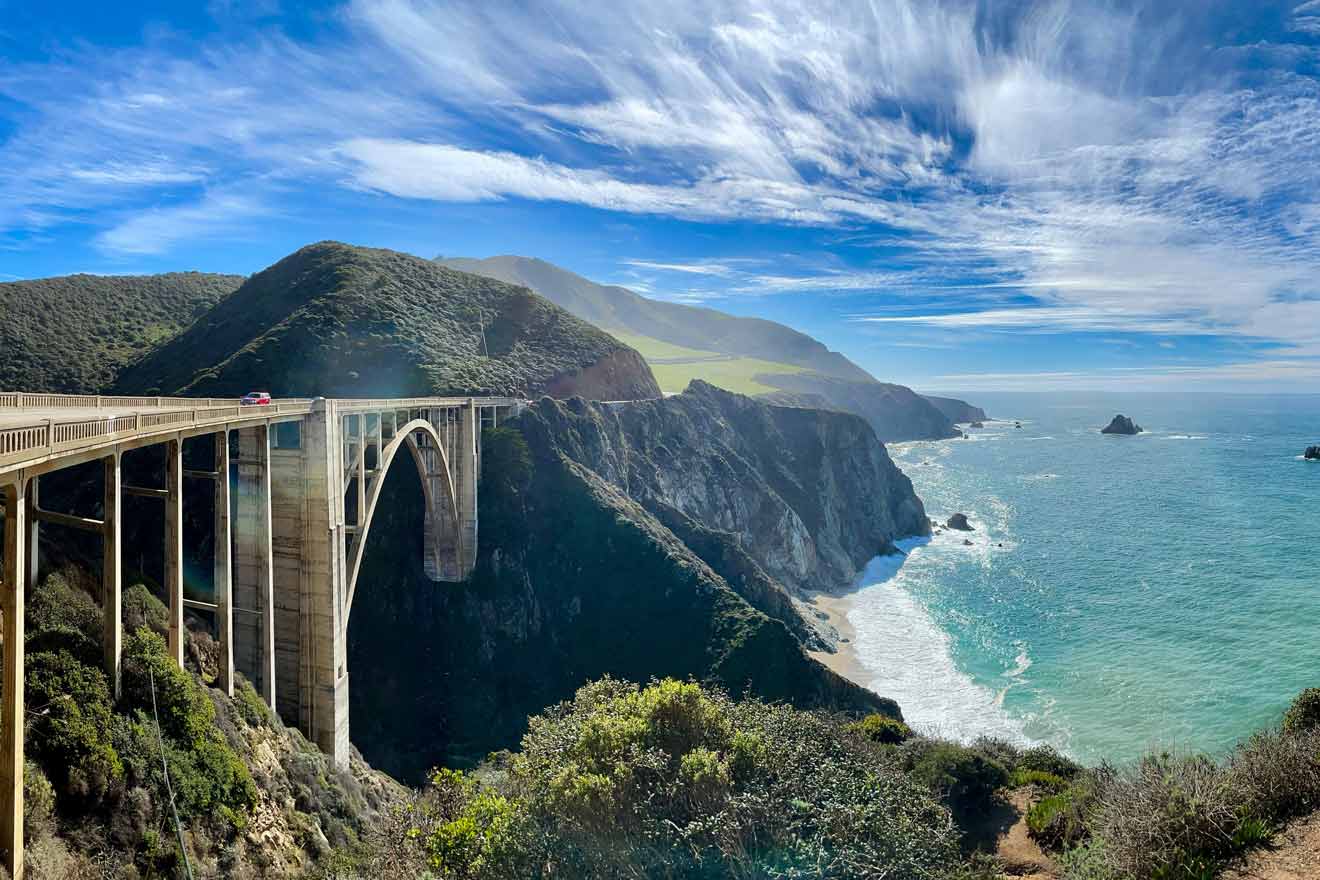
(293, 511)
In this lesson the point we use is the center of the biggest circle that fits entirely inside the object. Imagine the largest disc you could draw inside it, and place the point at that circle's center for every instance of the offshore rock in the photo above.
(959, 521)
(1121, 424)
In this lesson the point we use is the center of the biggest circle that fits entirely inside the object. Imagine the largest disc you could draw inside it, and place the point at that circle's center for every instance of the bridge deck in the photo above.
(41, 431)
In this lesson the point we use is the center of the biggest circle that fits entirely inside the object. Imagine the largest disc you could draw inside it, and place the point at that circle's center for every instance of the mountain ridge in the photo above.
(814, 376)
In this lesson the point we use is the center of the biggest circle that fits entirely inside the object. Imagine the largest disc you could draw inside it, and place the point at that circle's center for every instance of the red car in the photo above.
(256, 398)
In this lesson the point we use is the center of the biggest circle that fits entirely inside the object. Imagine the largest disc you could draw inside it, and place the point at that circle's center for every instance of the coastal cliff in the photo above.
(960, 412)
(654, 538)
(811, 494)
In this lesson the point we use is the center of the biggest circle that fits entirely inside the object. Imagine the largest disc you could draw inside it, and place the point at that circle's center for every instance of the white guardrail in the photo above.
(52, 435)
(49, 436)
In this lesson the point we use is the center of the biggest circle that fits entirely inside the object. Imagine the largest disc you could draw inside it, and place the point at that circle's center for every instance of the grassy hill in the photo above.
(74, 334)
(675, 366)
(337, 320)
(747, 355)
(620, 309)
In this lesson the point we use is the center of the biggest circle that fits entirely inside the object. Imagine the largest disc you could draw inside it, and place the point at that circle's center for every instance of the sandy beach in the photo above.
(843, 661)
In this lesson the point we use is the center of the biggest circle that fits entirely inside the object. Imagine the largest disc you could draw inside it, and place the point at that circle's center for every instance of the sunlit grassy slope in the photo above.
(675, 366)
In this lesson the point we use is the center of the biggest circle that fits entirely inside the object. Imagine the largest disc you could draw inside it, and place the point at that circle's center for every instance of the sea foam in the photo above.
(910, 658)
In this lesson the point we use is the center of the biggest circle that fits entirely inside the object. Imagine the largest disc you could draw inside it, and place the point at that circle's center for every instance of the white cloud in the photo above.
(156, 230)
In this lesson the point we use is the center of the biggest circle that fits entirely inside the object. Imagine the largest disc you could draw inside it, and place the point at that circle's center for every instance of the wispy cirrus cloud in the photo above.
(1071, 166)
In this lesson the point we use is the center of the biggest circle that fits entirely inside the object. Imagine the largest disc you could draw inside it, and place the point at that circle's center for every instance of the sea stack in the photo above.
(959, 521)
(1312, 453)
(1121, 425)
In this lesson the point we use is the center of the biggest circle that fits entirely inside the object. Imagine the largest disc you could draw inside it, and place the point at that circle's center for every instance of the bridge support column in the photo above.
(465, 463)
(34, 532)
(174, 545)
(324, 661)
(254, 580)
(112, 571)
(11, 715)
(224, 583)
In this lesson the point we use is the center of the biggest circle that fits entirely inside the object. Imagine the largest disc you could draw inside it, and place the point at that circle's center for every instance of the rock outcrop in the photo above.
(1312, 453)
(959, 521)
(1121, 424)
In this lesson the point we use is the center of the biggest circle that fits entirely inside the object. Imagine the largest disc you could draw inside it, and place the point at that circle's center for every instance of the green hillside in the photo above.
(747, 355)
(337, 320)
(74, 334)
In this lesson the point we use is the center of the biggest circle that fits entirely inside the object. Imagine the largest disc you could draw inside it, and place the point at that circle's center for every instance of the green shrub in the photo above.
(1059, 820)
(38, 803)
(207, 775)
(251, 707)
(1046, 760)
(59, 603)
(964, 778)
(882, 729)
(142, 608)
(677, 781)
(1038, 779)
(1304, 713)
(69, 718)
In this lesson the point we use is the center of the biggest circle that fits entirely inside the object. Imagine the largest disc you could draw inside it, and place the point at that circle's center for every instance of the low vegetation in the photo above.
(74, 334)
(1172, 816)
(677, 780)
(252, 798)
(675, 366)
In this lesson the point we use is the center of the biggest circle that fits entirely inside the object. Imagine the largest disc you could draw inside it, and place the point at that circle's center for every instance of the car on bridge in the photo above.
(256, 398)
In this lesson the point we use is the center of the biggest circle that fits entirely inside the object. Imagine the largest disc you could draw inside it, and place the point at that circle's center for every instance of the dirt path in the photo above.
(1018, 854)
(1294, 855)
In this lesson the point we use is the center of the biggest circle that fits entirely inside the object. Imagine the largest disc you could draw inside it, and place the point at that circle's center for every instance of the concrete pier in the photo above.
(287, 556)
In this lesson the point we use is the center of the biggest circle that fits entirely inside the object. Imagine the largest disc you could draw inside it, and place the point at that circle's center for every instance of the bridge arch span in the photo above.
(443, 535)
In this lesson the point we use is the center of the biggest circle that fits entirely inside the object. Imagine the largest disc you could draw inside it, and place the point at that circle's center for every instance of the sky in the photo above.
(957, 195)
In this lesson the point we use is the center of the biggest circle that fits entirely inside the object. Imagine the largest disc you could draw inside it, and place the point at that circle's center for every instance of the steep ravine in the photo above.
(661, 563)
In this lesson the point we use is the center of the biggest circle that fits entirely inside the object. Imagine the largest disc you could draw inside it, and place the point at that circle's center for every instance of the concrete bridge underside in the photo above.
(296, 486)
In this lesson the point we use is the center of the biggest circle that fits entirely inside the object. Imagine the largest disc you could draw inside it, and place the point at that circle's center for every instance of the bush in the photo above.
(1037, 779)
(207, 775)
(38, 803)
(674, 780)
(1304, 713)
(1059, 820)
(882, 729)
(142, 608)
(1169, 816)
(964, 778)
(1276, 776)
(1046, 760)
(69, 715)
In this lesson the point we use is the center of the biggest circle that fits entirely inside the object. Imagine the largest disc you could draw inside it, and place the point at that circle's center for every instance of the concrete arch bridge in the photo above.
(296, 484)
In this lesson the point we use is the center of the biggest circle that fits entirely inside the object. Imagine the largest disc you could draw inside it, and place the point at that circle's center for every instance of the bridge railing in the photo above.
(53, 436)
(24, 400)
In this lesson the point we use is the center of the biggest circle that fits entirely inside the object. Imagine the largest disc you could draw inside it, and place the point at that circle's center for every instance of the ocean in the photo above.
(1119, 593)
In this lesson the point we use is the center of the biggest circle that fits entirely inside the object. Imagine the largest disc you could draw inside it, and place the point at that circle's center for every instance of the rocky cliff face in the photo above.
(652, 538)
(895, 412)
(811, 495)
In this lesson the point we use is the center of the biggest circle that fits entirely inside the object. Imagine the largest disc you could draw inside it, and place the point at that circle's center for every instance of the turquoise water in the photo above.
(1120, 592)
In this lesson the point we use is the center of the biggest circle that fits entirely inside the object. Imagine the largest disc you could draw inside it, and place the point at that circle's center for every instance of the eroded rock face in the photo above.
(812, 495)
(1121, 424)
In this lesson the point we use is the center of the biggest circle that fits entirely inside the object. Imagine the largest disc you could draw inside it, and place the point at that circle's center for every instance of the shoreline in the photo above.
(844, 660)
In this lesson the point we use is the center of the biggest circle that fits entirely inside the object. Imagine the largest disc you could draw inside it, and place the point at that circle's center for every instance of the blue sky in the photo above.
(958, 195)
